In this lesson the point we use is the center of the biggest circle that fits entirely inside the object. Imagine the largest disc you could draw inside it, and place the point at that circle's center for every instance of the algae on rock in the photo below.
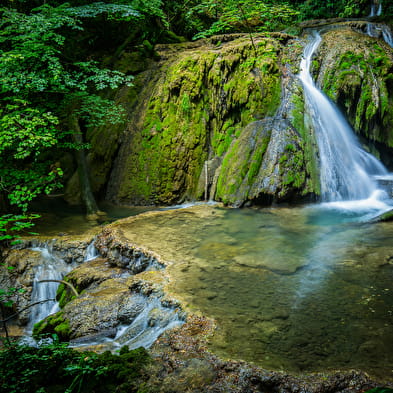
(197, 105)
(356, 72)
(192, 110)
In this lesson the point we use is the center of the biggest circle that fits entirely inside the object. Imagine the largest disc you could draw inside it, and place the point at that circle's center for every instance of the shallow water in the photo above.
(59, 218)
(294, 289)
(300, 289)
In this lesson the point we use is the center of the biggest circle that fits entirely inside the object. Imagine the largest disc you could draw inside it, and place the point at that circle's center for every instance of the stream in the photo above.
(295, 289)
(305, 288)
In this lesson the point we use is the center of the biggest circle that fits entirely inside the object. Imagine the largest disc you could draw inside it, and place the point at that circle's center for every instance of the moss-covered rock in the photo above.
(88, 275)
(53, 324)
(265, 164)
(356, 71)
(194, 108)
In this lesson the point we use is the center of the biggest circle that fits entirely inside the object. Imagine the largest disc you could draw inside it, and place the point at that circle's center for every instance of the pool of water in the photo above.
(297, 289)
(59, 218)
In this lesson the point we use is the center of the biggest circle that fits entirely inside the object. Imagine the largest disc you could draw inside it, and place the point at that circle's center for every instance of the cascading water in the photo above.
(45, 284)
(91, 252)
(153, 320)
(376, 8)
(154, 317)
(377, 30)
(346, 170)
(44, 293)
(387, 35)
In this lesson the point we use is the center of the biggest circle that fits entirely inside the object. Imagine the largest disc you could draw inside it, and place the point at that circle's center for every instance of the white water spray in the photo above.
(348, 178)
(91, 252)
(347, 171)
(376, 8)
(44, 293)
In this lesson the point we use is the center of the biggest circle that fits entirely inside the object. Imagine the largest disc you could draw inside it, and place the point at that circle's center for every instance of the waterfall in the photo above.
(376, 8)
(51, 268)
(387, 35)
(346, 170)
(91, 252)
(154, 320)
(377, 30)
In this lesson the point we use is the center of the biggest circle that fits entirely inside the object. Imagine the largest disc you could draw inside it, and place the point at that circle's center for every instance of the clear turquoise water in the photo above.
(300, 289)
(294, 289)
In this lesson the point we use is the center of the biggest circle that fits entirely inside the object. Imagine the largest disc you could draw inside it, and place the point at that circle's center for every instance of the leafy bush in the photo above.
(57, 368)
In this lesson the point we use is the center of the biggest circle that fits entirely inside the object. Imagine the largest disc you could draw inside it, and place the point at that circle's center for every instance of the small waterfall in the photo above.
(347, 170)
(91, 252)
(376, 8)
(387, 35)
(380, 31)
(154, 318)
(51, 268)
(148, 326)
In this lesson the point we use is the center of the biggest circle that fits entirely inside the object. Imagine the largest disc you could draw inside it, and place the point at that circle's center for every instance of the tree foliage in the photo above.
(41, 87)
(233, 16)
(50, 67)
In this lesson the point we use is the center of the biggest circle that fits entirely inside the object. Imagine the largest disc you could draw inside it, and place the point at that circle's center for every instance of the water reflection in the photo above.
(298, 289)
(294, 289)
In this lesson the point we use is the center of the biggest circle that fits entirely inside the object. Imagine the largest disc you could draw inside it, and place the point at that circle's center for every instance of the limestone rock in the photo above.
(355, 70)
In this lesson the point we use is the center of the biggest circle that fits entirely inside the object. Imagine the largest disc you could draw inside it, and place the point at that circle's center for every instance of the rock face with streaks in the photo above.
(194, 109)
(221, 120)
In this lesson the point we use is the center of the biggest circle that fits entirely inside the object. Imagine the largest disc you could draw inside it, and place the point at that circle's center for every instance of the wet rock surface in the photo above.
(354, 70)
(20, 276)
(112, 297)
(182, 361)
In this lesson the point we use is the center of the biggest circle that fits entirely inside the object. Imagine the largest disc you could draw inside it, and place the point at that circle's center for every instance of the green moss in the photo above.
(53, 324)
(358, 79)
(388, 216)
(283, 159)
(191, 112)
(242, 163)
(308, 147)
(256, 160)
(64, 293)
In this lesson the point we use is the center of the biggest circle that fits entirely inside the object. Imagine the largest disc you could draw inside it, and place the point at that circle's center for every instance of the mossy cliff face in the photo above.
(266, 163)
(225, 120)
(195, 110)
(356, 71)
(105, 140)
(273, 160)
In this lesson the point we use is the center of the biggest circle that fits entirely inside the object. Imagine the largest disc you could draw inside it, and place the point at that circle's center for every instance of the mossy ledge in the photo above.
(54, 324)
(200, 100)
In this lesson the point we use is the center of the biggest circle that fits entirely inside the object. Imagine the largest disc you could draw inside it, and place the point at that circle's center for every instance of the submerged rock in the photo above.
(182, 355)
(115, 305)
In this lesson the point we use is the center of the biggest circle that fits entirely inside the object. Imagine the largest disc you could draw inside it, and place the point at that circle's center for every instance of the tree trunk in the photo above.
(83, 172)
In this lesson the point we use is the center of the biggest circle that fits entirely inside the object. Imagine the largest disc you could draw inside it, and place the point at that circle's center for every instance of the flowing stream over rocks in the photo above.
(45, 284)
(378, 30)
(347, 170)
(303, 289)
(295, 289)
(140, 316)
